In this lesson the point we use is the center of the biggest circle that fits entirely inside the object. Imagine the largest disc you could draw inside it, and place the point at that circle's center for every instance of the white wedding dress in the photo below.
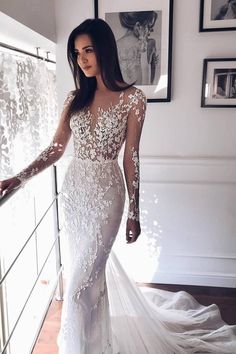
(104, 312)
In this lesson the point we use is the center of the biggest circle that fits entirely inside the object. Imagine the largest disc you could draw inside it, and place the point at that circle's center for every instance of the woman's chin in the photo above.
(89, 75)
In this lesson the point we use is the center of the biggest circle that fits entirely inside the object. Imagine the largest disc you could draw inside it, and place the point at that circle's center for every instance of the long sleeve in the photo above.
(55, 149)
(131, 153)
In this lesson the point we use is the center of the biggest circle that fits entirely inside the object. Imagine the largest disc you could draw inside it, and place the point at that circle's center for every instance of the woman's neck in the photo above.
(100, 84)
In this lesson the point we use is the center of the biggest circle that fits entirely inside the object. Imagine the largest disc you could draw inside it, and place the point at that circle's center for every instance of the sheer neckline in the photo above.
(95, 117)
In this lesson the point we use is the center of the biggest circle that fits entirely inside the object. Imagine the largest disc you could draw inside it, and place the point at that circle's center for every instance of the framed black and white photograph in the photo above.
(219, 83)
(217, 15)
(143, 35)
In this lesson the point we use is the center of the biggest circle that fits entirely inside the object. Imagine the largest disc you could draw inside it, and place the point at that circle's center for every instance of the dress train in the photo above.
(153, 321)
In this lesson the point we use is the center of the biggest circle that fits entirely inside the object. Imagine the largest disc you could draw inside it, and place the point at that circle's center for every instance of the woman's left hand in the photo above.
(133, 230)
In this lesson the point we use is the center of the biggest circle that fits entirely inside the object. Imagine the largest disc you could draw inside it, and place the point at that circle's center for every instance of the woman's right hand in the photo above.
(8, 185)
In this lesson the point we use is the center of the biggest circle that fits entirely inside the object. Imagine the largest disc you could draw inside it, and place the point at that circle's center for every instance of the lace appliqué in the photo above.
(133, 212)
(32, 170)
(137, 106)
(50, 155)
(104, 140)
(24, 176)
(93, 196)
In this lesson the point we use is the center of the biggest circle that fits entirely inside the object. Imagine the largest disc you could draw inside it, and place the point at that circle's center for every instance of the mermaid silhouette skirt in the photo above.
(104, 312)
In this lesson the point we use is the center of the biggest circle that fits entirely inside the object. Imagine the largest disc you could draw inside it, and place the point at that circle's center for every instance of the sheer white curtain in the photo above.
(28, 117)
(28, 109)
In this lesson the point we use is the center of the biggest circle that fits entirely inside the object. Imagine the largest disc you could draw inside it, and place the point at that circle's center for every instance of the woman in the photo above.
(102, 113)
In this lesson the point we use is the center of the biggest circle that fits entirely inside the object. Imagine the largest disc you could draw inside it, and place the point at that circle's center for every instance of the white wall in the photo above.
(37, 15)
(188, 162)
(69, 14)
(20, 36)
(182, 127)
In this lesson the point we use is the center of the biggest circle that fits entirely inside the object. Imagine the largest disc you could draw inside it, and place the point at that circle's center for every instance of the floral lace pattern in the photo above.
(47, 157)
(133, 206)
(93, 197)
(105, 140)
(102, 142)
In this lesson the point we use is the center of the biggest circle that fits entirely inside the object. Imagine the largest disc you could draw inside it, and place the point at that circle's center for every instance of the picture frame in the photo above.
(143, 34)
(219, 83)
(217, 15)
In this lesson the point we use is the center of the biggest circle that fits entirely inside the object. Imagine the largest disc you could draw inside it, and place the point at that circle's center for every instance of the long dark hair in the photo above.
(104, 44)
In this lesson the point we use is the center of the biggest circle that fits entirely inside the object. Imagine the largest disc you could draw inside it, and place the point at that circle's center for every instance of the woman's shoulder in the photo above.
(134, 93)
(69, 98)
(72, 93)
(133, 90)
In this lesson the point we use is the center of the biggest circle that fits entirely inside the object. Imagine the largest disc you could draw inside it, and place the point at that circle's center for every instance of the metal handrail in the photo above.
(56, 243)
(56, 246)
(57, 232)
(3, 315)
(29, 295)
(25, 244)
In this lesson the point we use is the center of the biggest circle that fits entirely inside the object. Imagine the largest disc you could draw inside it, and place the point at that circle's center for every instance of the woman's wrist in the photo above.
(133, 215)
(21, 177)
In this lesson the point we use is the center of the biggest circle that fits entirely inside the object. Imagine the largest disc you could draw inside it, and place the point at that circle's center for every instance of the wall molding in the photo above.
(205, 256)
(207, 180)
(187, 159)
(188, 170)
(200, 279)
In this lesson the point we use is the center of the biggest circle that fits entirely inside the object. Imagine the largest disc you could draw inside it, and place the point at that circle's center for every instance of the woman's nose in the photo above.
(83, 58)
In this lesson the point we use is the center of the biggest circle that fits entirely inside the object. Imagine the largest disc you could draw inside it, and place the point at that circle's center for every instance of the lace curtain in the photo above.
(28, 110)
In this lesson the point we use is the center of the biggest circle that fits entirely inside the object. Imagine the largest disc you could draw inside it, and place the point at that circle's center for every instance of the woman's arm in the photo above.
(49, 156)
(131, 162)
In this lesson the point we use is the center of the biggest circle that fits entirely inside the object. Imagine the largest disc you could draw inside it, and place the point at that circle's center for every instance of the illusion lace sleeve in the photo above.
(55, 149)
(137, 102)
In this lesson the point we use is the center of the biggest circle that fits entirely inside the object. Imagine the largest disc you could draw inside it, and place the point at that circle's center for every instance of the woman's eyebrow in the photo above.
(87, 46)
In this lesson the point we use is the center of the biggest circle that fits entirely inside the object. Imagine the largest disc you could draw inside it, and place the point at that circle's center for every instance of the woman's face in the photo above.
(86, 57)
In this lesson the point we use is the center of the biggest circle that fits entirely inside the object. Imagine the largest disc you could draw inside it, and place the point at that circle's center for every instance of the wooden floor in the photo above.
(46, 343)
(223, 297)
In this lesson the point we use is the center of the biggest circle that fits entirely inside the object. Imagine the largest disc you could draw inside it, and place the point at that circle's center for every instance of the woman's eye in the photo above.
(89, 50)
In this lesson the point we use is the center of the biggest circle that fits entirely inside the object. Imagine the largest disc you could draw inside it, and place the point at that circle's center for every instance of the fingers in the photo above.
(131, 236)
(3, 191)
(5, 188)
(128, 236)
(133, 230)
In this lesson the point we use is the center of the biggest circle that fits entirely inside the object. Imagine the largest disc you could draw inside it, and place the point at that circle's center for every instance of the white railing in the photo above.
(30, 261)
